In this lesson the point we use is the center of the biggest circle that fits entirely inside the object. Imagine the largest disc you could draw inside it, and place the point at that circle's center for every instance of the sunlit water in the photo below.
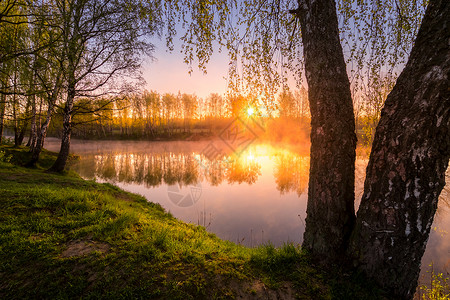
(251, 196)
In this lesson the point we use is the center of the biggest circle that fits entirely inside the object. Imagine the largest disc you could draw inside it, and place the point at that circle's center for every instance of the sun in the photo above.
(250, 111)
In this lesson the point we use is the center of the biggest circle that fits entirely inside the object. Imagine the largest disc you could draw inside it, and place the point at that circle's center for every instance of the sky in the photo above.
(169, 74)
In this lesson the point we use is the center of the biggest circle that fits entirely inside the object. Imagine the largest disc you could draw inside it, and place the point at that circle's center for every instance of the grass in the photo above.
(64, 237)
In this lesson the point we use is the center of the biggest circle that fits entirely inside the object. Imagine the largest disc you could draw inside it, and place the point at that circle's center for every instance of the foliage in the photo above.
(375, 93)
(264, 43)
(4, 157)
(7, 141)
(378, 35)
(55, 51)
(439, 288)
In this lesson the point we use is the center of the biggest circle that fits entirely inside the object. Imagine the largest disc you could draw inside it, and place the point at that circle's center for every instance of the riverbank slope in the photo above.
(65, 237)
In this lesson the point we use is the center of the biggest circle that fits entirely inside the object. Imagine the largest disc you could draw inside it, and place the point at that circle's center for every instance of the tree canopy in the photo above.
(263, 39)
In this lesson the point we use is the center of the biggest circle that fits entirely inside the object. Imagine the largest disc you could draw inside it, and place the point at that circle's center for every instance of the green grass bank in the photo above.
(62, 237)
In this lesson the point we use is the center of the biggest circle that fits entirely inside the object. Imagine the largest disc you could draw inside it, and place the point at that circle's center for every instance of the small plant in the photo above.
(7, 141)
(368, 130)
(439, 288)
(4, 157)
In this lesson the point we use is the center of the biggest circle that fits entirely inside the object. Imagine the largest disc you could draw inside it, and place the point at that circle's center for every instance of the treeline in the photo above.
(163, 116)
(151, 115)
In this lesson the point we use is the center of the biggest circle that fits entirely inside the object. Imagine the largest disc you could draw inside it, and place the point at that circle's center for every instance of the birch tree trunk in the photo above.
(409, 157)
(41, 134)
(23, 123)
(2, 115)
(61, 161)
(32, 140)
(33, 128)
(330, 210)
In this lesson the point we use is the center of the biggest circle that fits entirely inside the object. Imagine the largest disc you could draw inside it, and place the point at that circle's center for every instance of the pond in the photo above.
(252, 196)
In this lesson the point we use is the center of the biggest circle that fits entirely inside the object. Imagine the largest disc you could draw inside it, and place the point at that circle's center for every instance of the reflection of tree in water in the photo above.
(360, 175)
(172, 172)
(291, 173)
(151, 169)
(125, 172)
(191, 174)
(215, 170)
(154, 169)
(108, 164)
(243, 169)
(170, 168)
(233, 168)
(154, 174)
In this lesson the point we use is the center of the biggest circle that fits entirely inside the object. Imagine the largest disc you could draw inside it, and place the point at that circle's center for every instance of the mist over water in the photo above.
(250, 196)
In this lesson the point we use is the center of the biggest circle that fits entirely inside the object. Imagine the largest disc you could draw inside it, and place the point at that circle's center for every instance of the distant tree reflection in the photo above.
(188, 168)
(243, 169)
(291, 173)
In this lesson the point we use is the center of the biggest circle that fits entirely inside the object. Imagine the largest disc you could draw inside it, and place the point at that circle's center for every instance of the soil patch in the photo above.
(83, 247)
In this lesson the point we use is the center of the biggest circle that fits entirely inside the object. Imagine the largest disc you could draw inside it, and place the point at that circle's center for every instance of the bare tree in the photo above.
(102, 42)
